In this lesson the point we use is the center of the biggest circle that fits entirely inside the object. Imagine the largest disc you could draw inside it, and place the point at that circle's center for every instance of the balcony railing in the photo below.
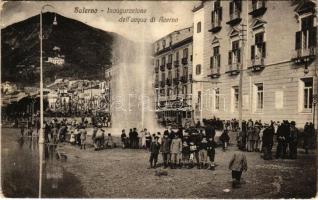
(184, 61)
(235, 17)
(168, 81)
(258, 8)
(184, 79)
(156, 84)
(304, 55)
(162, 67)
(176, 63)
(156, 69)
(215, 72)
(162, 83)
(234, 69)
(169, 65)
(257, 64)
(175, 81)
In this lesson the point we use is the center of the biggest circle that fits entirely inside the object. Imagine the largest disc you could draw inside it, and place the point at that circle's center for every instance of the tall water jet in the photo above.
(132, 93)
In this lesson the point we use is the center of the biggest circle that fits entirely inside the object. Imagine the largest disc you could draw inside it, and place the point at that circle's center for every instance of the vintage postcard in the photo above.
(159, 99)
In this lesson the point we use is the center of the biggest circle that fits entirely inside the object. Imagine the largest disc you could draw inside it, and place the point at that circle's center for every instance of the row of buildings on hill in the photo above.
(240, 59)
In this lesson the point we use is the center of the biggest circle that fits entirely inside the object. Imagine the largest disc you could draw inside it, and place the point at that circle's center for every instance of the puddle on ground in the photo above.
(20, 164)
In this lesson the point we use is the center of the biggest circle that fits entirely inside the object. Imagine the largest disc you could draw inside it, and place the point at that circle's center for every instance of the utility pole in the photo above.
(242, 57)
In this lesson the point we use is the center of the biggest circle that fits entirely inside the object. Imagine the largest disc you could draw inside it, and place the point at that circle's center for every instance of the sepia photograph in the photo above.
(206, 99)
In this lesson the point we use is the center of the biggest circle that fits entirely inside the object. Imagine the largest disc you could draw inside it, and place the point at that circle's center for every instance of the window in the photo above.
(198, 70)
(307, 93)
(177, 55)
(257, 4)
(184, 89)
(185, 53)
(185, 72)
(199, 27)
(162, 92)
(235, 9)
(216, 14)
(157, 63)
(217, 99)
(259, 49)
(177, 73)
(157, 77)
(175, 90)
(163, 76)
(163, 44)
(199, 100)
(260, 96)
(235, 54)
(235, 97)
(170, 58)
(163, 60)
(307, 36)
(169, 91)
(215, 61)
(169, 75)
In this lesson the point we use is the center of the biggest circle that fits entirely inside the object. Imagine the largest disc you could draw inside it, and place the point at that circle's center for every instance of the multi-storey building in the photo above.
(255, 59)
(173, 77)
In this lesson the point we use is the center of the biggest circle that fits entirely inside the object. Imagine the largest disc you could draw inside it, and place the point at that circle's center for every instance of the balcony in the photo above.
(184, 61)
(162, 67)
(168, 82)
(234, 69)
(162, 84)
(169, 65)
(235, 18)
(156, 84)
(215, 72)
(184, 79)
(156, 69)
(258, 8)
(257, 64)
(216, 26)
(176, 63)
(175, 81)
(301, 56)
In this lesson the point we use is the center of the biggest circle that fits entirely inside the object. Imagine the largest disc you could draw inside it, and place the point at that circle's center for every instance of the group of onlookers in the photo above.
(184, 148)
(259, 137)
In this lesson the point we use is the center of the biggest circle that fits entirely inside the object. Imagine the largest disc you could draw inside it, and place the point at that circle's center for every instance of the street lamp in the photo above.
(41, 136)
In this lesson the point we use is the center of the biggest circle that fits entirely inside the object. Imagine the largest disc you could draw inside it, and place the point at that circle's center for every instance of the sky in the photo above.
(15, 11)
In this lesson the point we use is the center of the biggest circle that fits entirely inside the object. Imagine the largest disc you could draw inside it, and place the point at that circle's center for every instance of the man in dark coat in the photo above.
(165, 149)
(282, 138)
(154, 151)
(293, 140)
(267, 138)
(210, 132)
(131, 138)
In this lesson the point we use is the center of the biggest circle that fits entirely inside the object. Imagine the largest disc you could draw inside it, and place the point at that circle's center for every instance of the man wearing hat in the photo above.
(165, 149)
(293, 138)
(267, 139)
(154, 151)
(176, 150)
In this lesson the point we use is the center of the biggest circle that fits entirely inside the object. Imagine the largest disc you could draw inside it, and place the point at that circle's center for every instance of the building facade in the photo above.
(255, 60)
(173, 77)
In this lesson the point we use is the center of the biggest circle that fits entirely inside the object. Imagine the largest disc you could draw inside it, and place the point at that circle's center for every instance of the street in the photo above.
(123, 173)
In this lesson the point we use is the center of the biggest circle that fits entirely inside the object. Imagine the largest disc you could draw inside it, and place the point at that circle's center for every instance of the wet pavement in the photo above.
(20, 169)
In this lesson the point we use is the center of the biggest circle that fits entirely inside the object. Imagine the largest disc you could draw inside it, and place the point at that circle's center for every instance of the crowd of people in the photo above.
(259, 137)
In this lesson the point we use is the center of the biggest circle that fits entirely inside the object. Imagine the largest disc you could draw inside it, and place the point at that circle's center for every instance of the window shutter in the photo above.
(219, 60)
(239, 5)
(252, 52)
(212, 13)
(220, 14)
(231, 8)
(298, 40)
(230, 58)
(264, 50)
(238, 55)
(313, 37)
(211, 62)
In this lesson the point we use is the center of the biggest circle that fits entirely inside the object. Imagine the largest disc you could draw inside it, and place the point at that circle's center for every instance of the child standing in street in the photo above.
(203, 153)
(238, 164)
(211, 152)
(185, 154)
(154, 151)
